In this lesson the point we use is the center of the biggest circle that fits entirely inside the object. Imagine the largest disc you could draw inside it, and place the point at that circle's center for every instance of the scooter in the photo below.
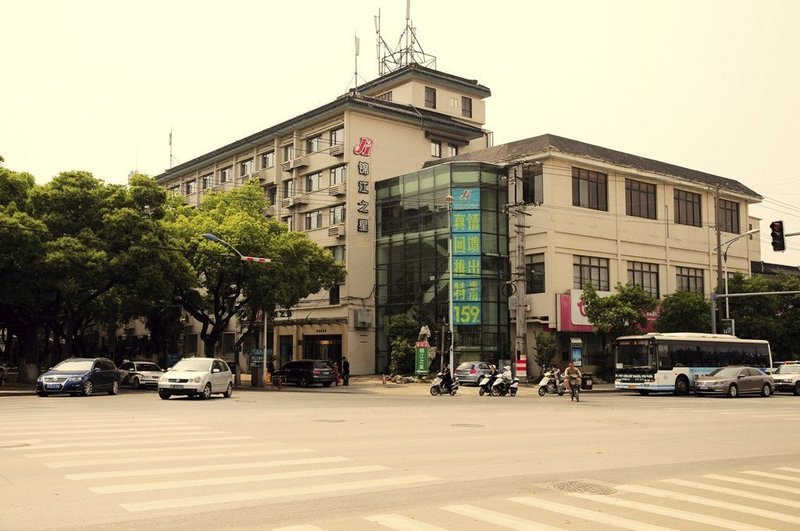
(485, 384)
(505, 385)
(438, 386)
(548, 384)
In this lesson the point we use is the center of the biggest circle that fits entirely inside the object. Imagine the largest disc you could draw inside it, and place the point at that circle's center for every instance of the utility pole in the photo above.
(714, 307)
(521, 342)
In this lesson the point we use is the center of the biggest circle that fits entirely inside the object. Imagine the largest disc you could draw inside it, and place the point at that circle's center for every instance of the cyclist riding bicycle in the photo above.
(572, 376)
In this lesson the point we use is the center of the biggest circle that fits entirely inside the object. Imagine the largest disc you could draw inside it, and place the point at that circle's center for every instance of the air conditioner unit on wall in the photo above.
(337, 231)
(362, 318)
(337, 150)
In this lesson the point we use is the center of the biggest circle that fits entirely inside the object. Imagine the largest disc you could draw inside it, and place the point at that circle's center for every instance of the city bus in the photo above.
(671, 362)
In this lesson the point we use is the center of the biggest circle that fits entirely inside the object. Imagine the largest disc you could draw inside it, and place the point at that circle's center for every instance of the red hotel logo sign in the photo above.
(364, 147)
(572, 313)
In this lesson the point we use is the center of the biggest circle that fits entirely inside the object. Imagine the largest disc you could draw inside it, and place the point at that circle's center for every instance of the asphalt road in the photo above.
(393, 457)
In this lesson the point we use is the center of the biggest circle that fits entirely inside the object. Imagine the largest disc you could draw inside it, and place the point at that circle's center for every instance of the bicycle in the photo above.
(574, 390)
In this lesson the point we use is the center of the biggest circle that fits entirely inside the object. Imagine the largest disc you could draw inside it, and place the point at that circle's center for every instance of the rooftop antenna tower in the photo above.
(407, 51)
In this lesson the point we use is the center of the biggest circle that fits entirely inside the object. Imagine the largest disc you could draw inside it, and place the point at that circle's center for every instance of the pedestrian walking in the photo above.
(336, 372)
(345, 371)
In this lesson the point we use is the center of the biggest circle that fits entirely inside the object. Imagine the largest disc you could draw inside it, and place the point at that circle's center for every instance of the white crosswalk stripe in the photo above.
(232, 453)
(401, 523)
(772, 499)
(499, 519)
(753, 483)
(782, 477)
(592, 516)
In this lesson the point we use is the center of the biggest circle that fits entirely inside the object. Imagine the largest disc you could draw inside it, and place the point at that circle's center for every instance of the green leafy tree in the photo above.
(224, 286)
(545, 349)
(402, 331)
(684, 311)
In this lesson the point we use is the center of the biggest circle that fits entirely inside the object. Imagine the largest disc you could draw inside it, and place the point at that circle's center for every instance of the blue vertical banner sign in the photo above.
(465, 227)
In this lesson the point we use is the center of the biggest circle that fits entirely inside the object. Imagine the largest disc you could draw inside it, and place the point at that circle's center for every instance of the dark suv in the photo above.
(307, 372)
(82, 376)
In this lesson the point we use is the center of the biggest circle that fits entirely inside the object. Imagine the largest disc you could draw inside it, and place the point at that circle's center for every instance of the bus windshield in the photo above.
(633, 353)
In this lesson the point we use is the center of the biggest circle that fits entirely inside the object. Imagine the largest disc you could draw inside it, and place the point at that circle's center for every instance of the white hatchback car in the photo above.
(196, 377)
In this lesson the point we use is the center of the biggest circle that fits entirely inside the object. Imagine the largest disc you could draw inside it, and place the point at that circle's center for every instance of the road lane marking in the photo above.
(279, 492)
(789, 469)
(161, 449)
(719, 504)
(231, 480)
(104, 444)
(186, 457)
(202, 468)
(696, 518)
(733, 492)
(124, 427)
(402, 523)
(498, 518)
(299, 528)
(124, 433)
(753, 483)
(782, 477)
(587, 514)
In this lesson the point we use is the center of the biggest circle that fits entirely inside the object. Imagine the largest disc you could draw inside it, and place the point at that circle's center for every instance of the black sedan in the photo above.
(307, 372)
(83, 376)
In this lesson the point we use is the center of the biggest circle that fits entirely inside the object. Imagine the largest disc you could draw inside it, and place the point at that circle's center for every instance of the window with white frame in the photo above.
(272, 194)
(174, 189)
(452, 150)
(338, 253)
(288, 188)
(337, 214)
(289, 221)
(689, 279)
(245, 167)
(338, 175)
(226, 174)
(314, 144)
(645, 276)
(313, 182)
(436, 149)
(190, 187)
(288, 152)
(590, 269)
(337, 136)
(268, 159)
(313, 219)
(207, 181)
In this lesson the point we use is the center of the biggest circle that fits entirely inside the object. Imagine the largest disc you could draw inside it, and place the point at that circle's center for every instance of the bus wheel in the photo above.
(796, 389)
(643, 392)
(733, 391)
(681, 386)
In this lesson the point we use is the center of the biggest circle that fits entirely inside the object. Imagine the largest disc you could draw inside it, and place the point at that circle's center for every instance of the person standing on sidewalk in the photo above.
(345, 371)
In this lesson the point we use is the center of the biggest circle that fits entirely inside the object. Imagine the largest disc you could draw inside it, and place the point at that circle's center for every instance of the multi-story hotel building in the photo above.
(399, 180)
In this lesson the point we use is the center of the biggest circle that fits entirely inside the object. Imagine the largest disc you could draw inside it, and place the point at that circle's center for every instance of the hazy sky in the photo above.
(712, 85)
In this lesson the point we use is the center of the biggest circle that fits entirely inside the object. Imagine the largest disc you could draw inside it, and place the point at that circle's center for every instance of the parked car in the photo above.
(734, 381)
(787, 377)
(84, 376)
(307, 372)
(138, 374)
(192, 377)
(3, 374)
(470, 372)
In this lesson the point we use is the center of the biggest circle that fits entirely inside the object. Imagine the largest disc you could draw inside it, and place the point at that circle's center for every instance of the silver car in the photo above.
(197, 377)
(470, 372)
(138, 374)
(734, 381)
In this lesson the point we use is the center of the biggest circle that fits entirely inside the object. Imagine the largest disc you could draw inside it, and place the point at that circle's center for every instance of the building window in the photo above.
(729, 216)
(386, 96)
(436, 149)
(337, 136)
(289, 221)
(687, 208)
(191, 187)
(313, 182)
(338, 175)
(272, 194)
(175, 189)
(245, 167)
(288, 152)
(207, 181)
(333, 295)
(466, 107)
(689, 279)
(534, 273)
(533, 184)
(314, 144)
(589, 189)
(337, 215)
(430, 97)
(288, 188)
(452, 150)
(645, 276)
(590, 269)
(225, 174)
(313, 219)
(640, 199)
(338, 253)
(268, 159)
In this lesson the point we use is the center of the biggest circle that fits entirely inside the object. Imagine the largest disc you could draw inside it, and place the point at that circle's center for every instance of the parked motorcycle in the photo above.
(439, 387)
(550, 384)
(485, 384)
(505, 384)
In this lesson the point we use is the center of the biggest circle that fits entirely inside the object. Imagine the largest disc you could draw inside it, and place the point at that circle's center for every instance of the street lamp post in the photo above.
(727, 245)
(449, 201)
(244, 258)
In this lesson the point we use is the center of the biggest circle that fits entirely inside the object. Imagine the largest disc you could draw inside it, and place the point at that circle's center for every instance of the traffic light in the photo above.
(776, 231)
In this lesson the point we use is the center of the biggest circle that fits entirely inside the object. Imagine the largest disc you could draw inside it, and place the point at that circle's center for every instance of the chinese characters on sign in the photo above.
(465, 228)
(364, 149)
